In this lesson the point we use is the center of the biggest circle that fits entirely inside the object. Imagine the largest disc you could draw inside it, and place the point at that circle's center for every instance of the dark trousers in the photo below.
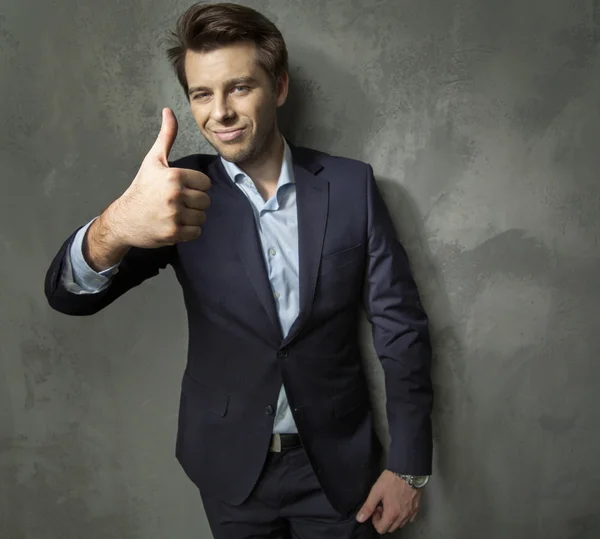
(287, 503)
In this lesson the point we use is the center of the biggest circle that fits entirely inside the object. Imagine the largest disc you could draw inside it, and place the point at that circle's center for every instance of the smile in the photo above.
(229, 135)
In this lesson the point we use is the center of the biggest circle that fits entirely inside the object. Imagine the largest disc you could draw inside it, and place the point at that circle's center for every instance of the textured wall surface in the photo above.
(482, 121)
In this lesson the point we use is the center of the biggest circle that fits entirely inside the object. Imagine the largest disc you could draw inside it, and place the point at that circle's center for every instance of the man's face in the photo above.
(233, 101)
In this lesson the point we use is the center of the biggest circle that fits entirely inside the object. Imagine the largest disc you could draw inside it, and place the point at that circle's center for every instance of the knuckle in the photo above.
(173, 213)
(175, 195)
(170, 175)
(172, 200)
(173, 178)
(172, 232)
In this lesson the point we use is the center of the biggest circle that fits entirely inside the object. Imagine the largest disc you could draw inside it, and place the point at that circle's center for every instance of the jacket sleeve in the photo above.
(67, 296)
(401, 340)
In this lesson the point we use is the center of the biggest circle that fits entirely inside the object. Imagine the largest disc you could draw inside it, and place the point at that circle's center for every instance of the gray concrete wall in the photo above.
(482, 121)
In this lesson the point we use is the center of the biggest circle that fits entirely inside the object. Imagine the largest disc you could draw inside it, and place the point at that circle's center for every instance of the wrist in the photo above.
(112, 227)
(416, 482)
(104, 245)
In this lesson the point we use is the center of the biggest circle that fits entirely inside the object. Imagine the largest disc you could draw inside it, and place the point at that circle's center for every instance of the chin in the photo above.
(236, 153)
(230, 154)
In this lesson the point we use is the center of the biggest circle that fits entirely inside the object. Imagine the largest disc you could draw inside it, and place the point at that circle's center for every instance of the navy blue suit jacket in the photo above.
(237, 358)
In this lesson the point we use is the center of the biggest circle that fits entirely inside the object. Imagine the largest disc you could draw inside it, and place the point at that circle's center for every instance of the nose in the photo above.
(221, 109)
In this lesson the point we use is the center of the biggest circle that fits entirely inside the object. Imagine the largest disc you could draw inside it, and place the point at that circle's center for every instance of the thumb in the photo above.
(166, 138)
(368, 508)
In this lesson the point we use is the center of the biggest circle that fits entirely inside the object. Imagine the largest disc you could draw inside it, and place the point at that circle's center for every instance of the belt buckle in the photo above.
(275, 443)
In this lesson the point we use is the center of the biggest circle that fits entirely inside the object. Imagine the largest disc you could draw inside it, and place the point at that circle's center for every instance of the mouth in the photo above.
(229, 134)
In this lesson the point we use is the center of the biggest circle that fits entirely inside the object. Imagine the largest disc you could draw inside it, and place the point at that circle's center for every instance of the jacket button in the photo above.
(282, 354)
(269, 410)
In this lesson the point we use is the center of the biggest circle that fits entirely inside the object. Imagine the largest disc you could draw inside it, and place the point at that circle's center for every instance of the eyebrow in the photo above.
(231, 82)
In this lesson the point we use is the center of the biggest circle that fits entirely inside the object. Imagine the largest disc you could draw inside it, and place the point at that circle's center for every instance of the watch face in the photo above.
(420, 480)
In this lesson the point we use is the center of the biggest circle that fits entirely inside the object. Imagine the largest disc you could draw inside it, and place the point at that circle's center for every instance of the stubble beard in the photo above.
(238, 153)
(247, 151)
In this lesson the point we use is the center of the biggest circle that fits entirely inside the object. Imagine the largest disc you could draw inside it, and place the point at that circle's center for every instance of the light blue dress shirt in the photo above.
(277, 223)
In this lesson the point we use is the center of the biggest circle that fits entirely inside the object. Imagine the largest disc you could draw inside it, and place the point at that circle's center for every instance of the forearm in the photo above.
(401, 340)
(409, 402)
(104, 245)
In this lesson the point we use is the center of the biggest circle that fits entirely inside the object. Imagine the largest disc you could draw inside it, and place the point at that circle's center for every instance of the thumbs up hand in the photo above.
(163, 205)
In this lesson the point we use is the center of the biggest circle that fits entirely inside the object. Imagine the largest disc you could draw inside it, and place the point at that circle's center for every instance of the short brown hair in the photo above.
(206, 27)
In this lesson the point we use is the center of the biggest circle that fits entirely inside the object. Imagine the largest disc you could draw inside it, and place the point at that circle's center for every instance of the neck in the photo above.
(265, 168)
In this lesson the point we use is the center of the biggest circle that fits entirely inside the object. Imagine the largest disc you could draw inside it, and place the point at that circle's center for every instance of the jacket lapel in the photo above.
(246, 244)
(312, 201)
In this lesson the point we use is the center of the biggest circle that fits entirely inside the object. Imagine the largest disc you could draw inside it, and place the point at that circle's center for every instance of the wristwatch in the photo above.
(415, 481)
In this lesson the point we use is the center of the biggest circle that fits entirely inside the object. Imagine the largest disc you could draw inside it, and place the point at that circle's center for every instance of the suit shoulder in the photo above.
(337, 161)
(196, 161)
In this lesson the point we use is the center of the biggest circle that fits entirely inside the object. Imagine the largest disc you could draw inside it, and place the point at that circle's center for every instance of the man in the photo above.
(275, 423)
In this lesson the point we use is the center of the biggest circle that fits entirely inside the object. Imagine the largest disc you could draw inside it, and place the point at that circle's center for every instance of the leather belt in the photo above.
(282, 442)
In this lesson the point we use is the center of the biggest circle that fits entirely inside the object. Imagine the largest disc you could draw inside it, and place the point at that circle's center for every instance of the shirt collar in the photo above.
(286, 175)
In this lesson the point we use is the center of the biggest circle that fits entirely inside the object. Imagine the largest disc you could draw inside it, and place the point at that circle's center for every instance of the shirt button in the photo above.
(282, 354)
(276, 294)
(272, 252)
(269, 410)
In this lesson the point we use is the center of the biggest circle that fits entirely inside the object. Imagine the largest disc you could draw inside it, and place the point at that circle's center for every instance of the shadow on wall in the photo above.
(313, 117)
(450, 397)
(315, 114)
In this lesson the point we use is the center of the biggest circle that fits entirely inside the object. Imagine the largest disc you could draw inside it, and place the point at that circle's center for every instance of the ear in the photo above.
(281, 88)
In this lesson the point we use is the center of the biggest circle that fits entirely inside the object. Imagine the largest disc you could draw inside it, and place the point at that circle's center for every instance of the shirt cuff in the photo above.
(78, 276)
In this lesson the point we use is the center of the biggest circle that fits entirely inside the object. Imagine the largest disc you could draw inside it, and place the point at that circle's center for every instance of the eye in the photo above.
(200, 95)
(242, 88)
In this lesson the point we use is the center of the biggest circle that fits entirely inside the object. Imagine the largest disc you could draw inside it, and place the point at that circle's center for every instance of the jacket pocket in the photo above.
(205, 397)
(340, 259)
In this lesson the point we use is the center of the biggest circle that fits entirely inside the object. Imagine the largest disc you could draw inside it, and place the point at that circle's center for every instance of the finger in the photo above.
(191, 217)
(187, 233)
(193, 179)
(197, 200)
(377, 514)
(166, 137)
(369, 506)
(383, 519)
(376, 519)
